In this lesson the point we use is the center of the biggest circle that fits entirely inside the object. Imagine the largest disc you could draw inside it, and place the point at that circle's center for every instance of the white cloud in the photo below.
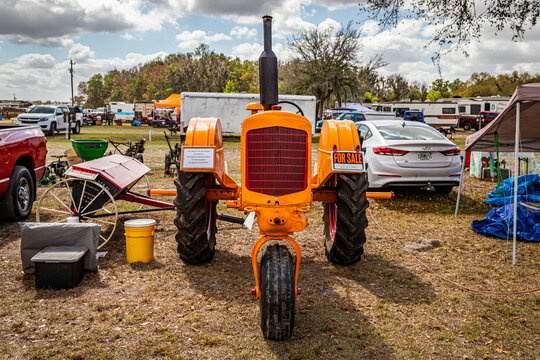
(406, 50)
(36, 61)
(247, 51)
(329, 23)
(402, 44)
(39, 77)
(243, 32)
(190, 40)
(54, 42)
(252, 51)
(80, 53)
(128, 36)
(337, 4)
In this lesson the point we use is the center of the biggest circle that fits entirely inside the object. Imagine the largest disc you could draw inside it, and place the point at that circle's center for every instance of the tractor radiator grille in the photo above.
(277, 160)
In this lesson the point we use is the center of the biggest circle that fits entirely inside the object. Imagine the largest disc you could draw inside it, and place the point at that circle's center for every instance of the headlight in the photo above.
(43, 119)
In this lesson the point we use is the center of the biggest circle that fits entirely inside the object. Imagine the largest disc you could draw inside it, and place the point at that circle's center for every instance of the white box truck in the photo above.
(230, 109)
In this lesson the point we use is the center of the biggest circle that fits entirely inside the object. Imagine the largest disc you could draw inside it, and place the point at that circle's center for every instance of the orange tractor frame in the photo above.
(277, 185)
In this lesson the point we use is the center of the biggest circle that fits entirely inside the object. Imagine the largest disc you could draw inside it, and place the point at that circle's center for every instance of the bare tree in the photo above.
(326, 60)
(458, 21)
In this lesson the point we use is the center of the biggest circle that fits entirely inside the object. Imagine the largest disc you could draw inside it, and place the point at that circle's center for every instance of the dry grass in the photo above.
(385, 307)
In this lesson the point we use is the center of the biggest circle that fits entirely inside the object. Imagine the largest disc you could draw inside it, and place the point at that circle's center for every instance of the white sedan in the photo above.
(409, 154)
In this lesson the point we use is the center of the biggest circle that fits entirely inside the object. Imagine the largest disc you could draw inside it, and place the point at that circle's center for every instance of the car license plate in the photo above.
(424, 156)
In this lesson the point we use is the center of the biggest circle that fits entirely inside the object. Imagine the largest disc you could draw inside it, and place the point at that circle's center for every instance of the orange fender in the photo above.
(207, 132)
(339, 133)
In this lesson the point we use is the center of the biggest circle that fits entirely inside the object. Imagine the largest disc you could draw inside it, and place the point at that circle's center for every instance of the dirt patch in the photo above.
(385, 307)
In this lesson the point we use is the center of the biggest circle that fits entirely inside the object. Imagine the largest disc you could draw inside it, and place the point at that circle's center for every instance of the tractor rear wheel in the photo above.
(345, 221)
(195, 218)
(277, 293)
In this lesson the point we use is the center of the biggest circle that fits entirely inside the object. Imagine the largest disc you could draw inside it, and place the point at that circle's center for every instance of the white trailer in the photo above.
(230, 109)
(122, 111)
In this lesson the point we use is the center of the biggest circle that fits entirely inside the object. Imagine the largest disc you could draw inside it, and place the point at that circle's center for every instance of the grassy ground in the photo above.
(385, 307)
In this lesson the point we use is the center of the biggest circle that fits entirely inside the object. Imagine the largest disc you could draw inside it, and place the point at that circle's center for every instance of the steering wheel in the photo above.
(293, 104)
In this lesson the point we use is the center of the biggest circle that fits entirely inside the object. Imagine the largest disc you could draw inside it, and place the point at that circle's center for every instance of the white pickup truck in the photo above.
(50, 118)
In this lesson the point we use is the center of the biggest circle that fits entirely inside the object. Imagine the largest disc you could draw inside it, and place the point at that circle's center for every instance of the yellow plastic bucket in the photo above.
(139, 240)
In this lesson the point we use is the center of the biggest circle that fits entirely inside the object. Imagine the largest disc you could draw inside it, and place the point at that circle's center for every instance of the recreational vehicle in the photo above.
(442, 115)
(122, 111)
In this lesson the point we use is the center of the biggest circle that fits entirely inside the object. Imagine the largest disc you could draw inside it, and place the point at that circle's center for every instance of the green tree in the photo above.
(434, 95)
(94, 92)
(455, 86)
(442, 87)
(231, 87)
(138, 87)
(418, 91)
(368, 97)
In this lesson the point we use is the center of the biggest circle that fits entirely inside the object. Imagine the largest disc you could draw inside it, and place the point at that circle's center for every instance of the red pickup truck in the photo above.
(23, 153)
(468, 122)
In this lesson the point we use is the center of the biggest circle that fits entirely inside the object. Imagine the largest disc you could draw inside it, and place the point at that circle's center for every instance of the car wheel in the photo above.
(77, 129)
(19, 197)
(466, 126)
(155, 125)
(444, 190)
(52, 130)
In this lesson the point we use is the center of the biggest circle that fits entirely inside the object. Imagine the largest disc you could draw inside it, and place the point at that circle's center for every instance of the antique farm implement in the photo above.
(99, 191)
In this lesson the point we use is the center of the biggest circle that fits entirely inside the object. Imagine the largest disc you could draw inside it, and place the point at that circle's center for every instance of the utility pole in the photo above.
(68, 130)
(71, 72)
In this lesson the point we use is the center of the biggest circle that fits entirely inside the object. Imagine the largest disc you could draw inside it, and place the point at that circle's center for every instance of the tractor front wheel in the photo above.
(195, 218)
(345, 221)
(277, 293)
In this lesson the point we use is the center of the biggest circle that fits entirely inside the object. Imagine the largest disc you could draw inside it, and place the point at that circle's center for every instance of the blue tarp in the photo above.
(500, 201)
(351, 107)
(358, 107)
(527, 185)
(500, 223)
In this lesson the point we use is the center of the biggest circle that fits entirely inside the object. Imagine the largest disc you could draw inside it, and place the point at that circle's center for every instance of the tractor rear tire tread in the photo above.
(277, 293)
(195, 244)
(348, 245)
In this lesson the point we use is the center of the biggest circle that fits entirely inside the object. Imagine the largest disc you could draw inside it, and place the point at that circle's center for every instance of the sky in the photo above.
(38, 37)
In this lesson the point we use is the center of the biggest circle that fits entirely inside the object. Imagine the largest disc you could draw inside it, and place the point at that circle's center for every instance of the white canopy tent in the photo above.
(517, 128)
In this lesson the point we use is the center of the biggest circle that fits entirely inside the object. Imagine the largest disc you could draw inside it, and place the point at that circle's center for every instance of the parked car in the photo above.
(414, 115)
(402, 153)
(468, 122)
(50, 118)
(360, 116)
(23, 153)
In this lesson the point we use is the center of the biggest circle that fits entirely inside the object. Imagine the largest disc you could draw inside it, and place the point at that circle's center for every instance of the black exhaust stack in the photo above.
(268, 71)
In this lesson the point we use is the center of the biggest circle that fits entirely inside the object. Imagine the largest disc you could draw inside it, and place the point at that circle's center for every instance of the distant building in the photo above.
(15, 103)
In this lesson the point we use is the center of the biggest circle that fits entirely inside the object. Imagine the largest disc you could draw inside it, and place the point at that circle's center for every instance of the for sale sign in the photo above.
(351, 161)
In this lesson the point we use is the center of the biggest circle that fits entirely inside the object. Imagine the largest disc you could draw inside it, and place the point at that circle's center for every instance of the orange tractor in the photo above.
(277, 184)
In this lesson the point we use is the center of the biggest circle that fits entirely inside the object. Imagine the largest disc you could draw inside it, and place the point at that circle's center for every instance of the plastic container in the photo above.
(89, 149)
(59, 267)
(139, 240)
